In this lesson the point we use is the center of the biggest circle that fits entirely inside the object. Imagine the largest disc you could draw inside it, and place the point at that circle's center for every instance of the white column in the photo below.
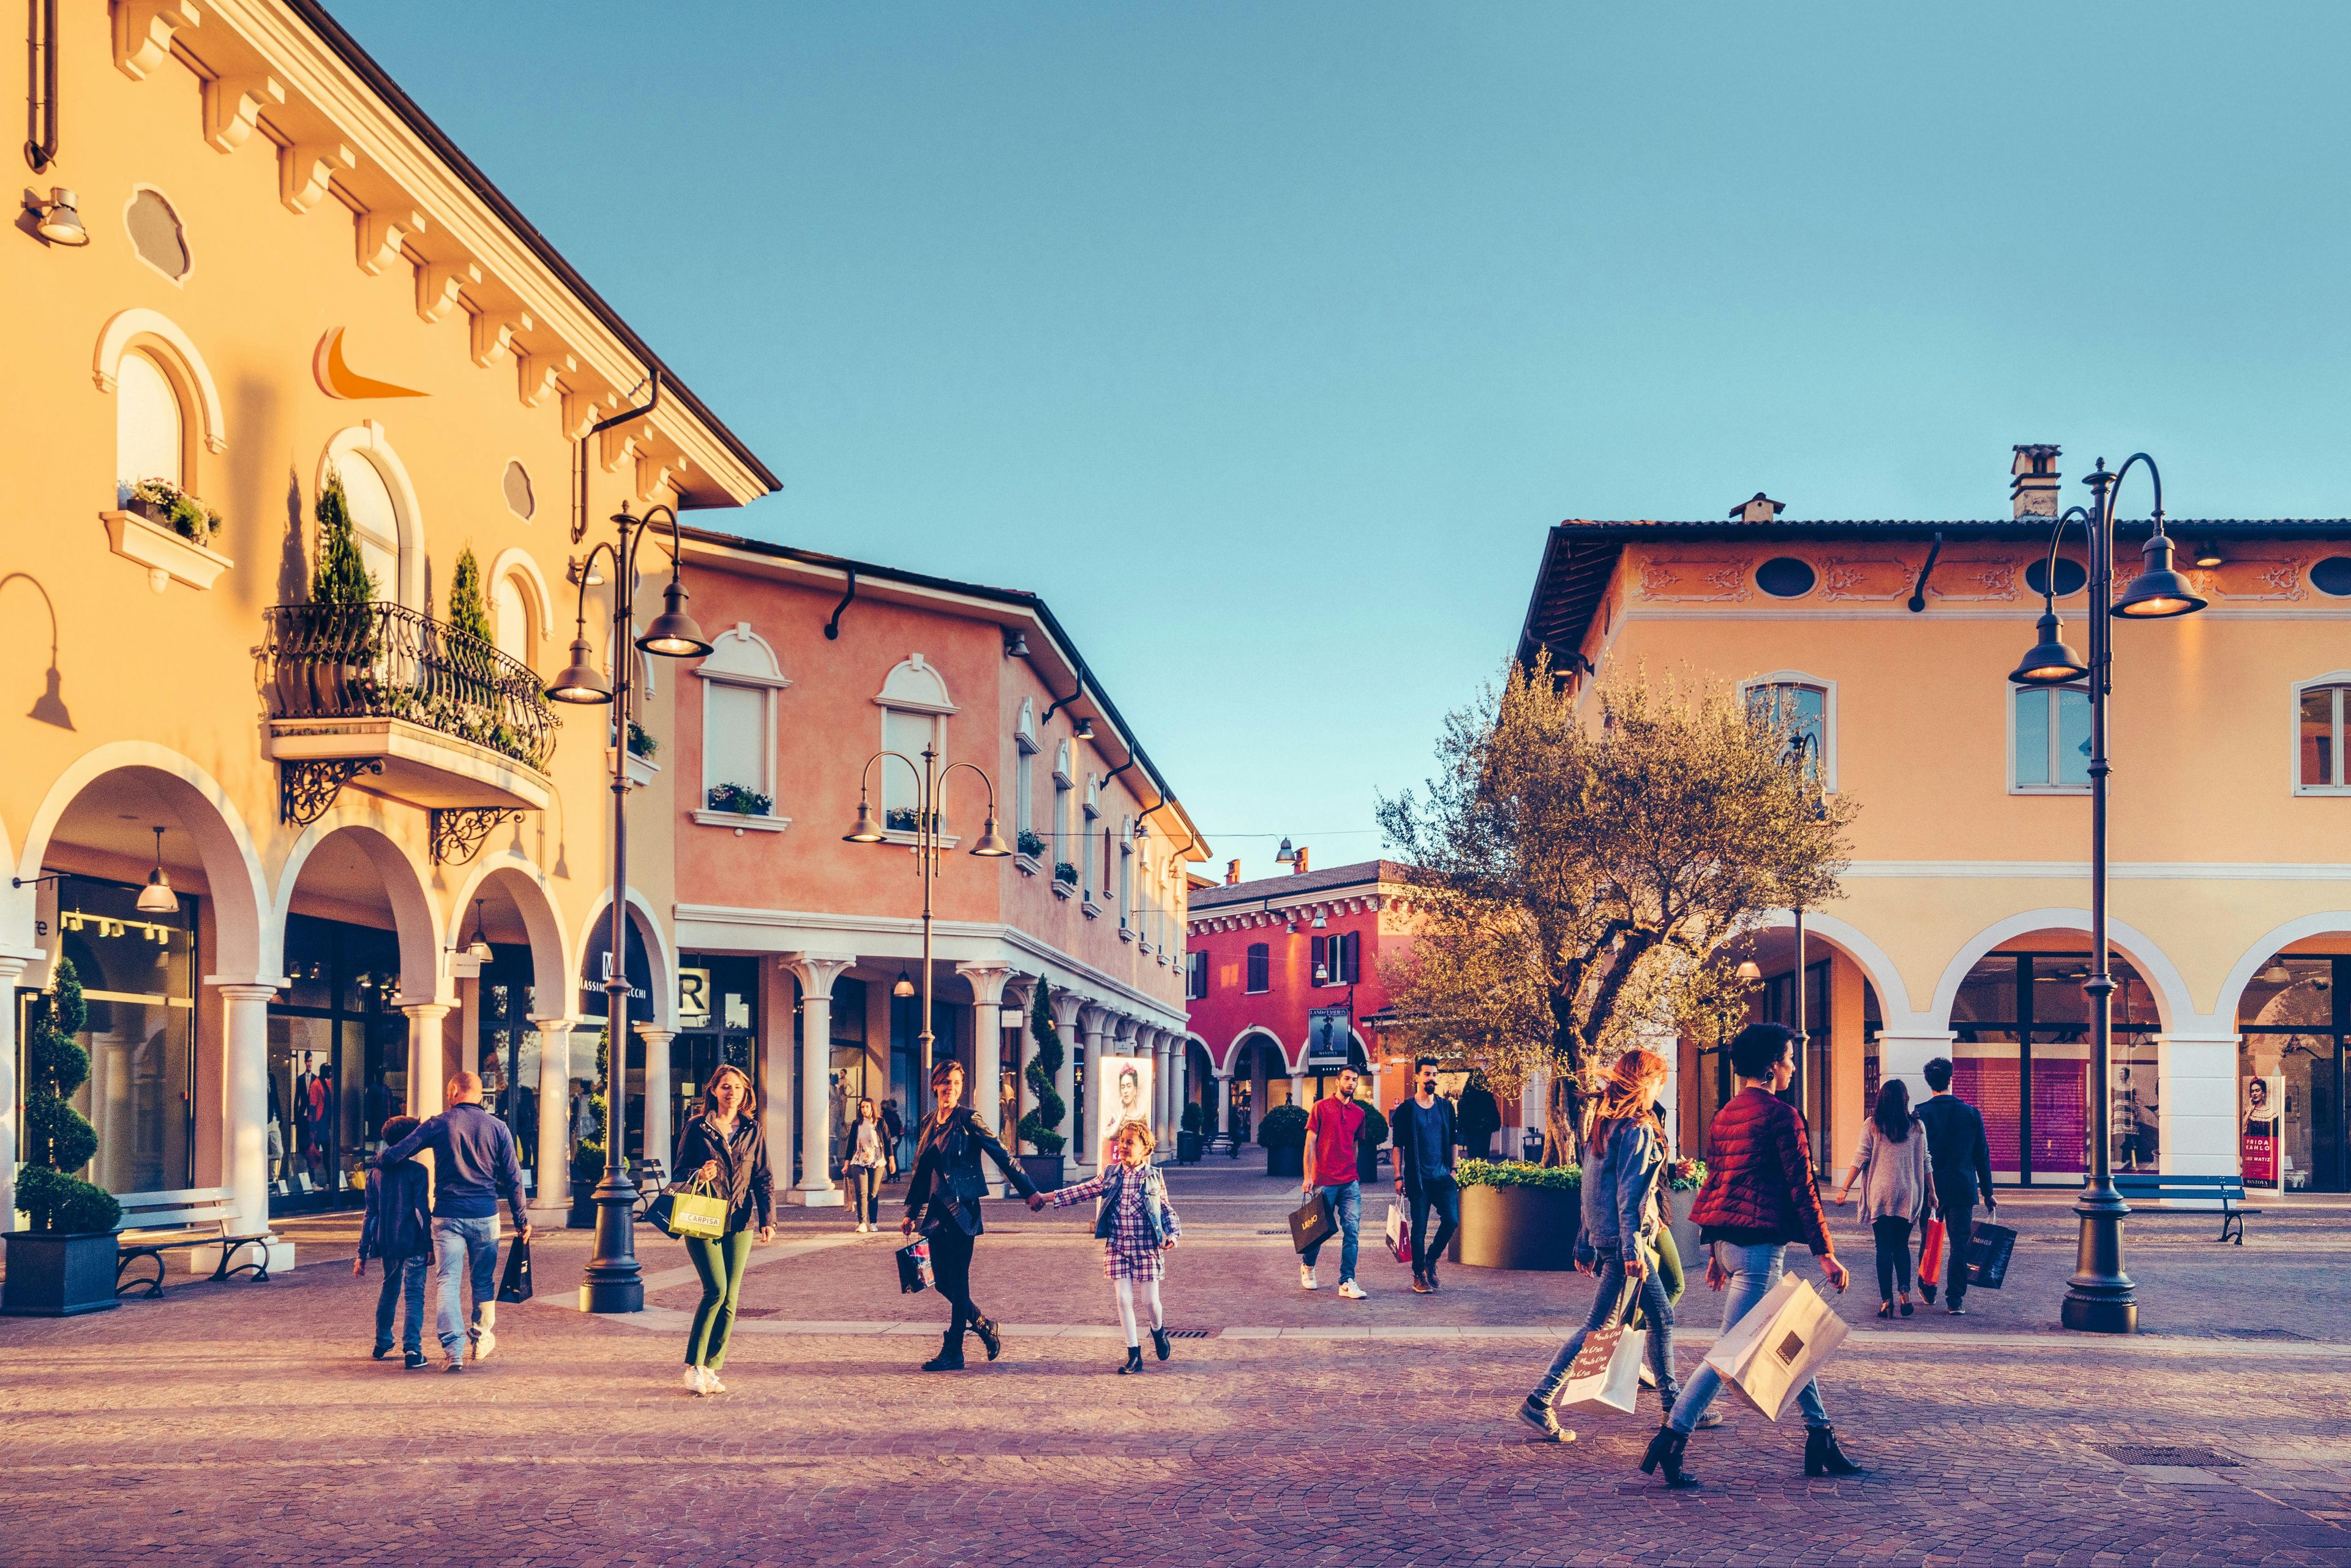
(1163, 1094)
(1067, 1010)
(2196, 1112)
(1097, 1022)
(10, 970)
(986, 1088)
(1297, 1089)
(553, 1195)
(1019, 992)
(1905, 1056)
(658, 1136)
(245, 1098)
(816, 976)
(425, 1096)
(1223, 1091)
(469, 1016)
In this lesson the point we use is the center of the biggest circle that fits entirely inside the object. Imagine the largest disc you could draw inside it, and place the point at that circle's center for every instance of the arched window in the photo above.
(2319, 715)
(739, 683)
(1805, 709)
(150, 434)
(511, 618)
(1260, 966)
(1064, 783)
(915, 708)
(375, 519)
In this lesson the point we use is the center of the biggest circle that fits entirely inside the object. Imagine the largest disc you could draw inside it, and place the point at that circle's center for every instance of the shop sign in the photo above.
(693, 999)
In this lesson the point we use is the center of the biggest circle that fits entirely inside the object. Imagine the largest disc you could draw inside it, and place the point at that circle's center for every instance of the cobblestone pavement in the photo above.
(237, 1424)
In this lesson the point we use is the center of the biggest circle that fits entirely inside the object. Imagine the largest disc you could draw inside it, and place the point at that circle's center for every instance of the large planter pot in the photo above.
(1289, 1160)
(1518, 1227)
(1187, 1148)
(582, 1214)
(1043, 1171)
(55, 1275)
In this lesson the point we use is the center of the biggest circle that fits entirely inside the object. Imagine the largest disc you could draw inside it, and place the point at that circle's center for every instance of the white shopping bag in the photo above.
(1399, 1240)
(1606, 1372)
(1771, 1353)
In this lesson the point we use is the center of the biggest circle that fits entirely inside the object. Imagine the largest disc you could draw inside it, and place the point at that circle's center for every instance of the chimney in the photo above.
(1232, 873)
(1761, 509)
(1300, 869)
(2034, 492)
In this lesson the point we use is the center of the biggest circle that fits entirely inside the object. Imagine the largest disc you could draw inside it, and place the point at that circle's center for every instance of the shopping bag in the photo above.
(1606, 1372)
(1311, 1222)
(1930, 1257)
(514, 1285)
(1989, 1250)
(914, 1268)
(691, 1211)
(1771, 1353)
(1399, 1237)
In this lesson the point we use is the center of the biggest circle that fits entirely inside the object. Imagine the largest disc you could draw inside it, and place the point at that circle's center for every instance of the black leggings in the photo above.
(951, 1269)
(1893, 1234)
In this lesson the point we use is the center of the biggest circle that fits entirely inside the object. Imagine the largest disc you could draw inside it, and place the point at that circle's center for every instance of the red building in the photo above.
(1284, 987)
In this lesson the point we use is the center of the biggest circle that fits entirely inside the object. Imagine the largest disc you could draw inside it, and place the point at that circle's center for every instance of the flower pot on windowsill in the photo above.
(56, 1275)
(168, 557)
(1028, 865)
(641, 770)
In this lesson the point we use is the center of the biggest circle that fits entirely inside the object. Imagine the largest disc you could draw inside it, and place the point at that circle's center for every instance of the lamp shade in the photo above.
(1285, 855)
(1749, 969)
(157, 897)
(1085, 729)
(867, 831)
(2157, 591)
(673, 634)
(991, 842)
(1322, 922)
(580, 682)
(59, 224)
(2051, 662)
(904, 987)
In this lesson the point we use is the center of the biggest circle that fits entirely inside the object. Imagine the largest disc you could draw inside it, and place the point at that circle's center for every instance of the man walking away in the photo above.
(474, 1164)
(1332, 1128)
(1424, 1145)
(1960, 1158)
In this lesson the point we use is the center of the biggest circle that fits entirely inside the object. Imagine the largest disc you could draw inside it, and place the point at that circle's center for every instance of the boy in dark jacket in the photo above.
(399, 1230)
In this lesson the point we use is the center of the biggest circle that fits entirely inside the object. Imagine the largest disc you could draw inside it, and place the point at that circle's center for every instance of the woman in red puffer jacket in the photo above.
(1759, 1196)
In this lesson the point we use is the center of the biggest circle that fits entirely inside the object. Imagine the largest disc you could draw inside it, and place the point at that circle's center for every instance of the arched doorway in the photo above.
(2290, 1119)
(1844, 1011)
(1259, 1081)
(653, 1004)
(504, 934)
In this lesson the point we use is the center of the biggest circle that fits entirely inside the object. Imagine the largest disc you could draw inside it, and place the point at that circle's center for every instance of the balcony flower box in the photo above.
(741, 808)
(168, 556)
(1065, 880)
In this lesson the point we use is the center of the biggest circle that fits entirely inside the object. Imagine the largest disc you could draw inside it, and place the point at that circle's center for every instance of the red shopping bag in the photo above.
(1930, 1255)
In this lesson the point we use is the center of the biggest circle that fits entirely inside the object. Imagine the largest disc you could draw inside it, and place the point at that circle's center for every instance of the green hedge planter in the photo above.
(1519, 1216)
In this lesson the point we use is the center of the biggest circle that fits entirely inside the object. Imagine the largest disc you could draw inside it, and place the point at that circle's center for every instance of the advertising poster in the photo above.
(1125, 1095)
(2258, 1144)
(1329, 1035)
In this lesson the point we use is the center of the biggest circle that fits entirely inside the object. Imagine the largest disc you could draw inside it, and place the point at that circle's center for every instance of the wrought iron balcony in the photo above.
(405, 706)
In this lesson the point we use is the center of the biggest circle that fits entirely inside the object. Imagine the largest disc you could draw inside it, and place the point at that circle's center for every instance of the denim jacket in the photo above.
(1620, 1185)
(1154, 1202)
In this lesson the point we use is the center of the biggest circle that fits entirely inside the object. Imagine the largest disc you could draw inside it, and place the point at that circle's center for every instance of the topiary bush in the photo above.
(1195, 1117)
(58, 1140)
(1038, 1127)
(1517, 1173)
(1283, 1127)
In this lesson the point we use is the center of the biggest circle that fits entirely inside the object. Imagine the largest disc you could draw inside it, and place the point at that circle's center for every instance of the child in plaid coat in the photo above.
(1136, 1226)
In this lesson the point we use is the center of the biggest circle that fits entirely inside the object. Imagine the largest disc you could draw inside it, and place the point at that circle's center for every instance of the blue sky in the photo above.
(1265, 340)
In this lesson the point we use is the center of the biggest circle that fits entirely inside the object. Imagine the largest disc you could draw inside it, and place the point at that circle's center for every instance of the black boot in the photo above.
(986, 1328)
(1133, 1362)
(1160, 1345)
(1823, 1457)
(950, 1356)
(1665, 1448)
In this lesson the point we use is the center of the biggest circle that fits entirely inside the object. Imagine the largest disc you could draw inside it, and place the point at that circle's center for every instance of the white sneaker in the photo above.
(710, 1384)
(1306, 1278)
(484, 1342)
(1351, 1290)
(696, 1381)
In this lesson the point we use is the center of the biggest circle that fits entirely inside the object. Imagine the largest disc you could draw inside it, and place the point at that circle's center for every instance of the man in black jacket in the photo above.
(1425, 1132)
(1962, 1157)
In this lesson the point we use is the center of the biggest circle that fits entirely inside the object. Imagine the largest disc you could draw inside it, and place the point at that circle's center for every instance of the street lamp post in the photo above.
(615, 1283)
(930, 784)
(2100, 1297)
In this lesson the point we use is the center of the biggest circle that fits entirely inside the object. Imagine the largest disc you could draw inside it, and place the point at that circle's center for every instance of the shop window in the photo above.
(337, 1060)
(1260, 968)
(1805, 711)
(724, 1032)
(138, 980)
(2293, 1060)
(2318, 739)
(2021, 1055)
(150, 433)
(2049, 741)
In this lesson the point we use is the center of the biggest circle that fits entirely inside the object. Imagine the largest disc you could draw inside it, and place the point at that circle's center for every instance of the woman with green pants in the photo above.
(724, 1151)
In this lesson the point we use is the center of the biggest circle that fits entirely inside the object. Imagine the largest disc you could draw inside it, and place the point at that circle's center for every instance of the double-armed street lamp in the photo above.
(930, 786)
(2100, 1297)
(614, 1283)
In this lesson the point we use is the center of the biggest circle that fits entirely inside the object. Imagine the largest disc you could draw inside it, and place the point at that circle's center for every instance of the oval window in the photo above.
(1785, 576)
(517, 485)
(2069, 576)
(2332, 575)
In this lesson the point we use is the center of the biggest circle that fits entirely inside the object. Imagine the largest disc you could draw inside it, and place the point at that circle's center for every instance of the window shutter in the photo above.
(1352, 949)
(1320, 956)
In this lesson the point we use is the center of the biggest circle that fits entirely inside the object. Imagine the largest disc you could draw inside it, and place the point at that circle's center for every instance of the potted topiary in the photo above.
(1515, 1214)
(64, 1265)
(1368, 1138)
(1684, 1177)
(1039, 1127)
(1191, 1135)
(1282, 1132)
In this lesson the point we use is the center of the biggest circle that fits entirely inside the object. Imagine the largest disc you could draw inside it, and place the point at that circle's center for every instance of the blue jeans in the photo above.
(1608, 1304)
(1753, 1272)
(1347, 1202)
(403, 1286)
(1444, 1196)
(465, 1249)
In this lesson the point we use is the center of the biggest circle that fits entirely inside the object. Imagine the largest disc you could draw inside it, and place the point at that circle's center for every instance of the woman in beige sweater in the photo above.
(1891, 1165)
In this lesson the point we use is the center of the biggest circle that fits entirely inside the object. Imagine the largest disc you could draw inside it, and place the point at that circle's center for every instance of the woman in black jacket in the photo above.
(724, 1148)
(943, 1196)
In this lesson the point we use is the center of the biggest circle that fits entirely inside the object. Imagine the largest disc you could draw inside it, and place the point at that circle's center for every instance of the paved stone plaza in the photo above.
(232, 1424)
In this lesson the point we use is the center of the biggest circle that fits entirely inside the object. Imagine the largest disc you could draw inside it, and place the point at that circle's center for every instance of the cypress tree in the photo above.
(341, 576)
(466, 612)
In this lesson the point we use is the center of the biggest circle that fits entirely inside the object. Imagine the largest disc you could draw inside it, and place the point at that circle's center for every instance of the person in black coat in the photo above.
(942, 1194)
(1960, 1158)
(724, 1150)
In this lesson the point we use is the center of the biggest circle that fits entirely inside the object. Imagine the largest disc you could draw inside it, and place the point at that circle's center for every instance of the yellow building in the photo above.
(1962, 930)
(254, 264)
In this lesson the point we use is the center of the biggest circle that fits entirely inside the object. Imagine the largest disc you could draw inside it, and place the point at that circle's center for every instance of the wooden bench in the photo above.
(154, 1223)
(2146, 1189)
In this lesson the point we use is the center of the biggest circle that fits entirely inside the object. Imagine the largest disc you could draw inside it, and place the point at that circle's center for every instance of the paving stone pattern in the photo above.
(241, 1424)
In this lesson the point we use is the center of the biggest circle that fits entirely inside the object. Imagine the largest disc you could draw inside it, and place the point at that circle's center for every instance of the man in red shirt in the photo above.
(1332, 1128)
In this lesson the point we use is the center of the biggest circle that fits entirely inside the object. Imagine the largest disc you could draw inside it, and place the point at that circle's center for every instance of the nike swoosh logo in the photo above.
(338, 380)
